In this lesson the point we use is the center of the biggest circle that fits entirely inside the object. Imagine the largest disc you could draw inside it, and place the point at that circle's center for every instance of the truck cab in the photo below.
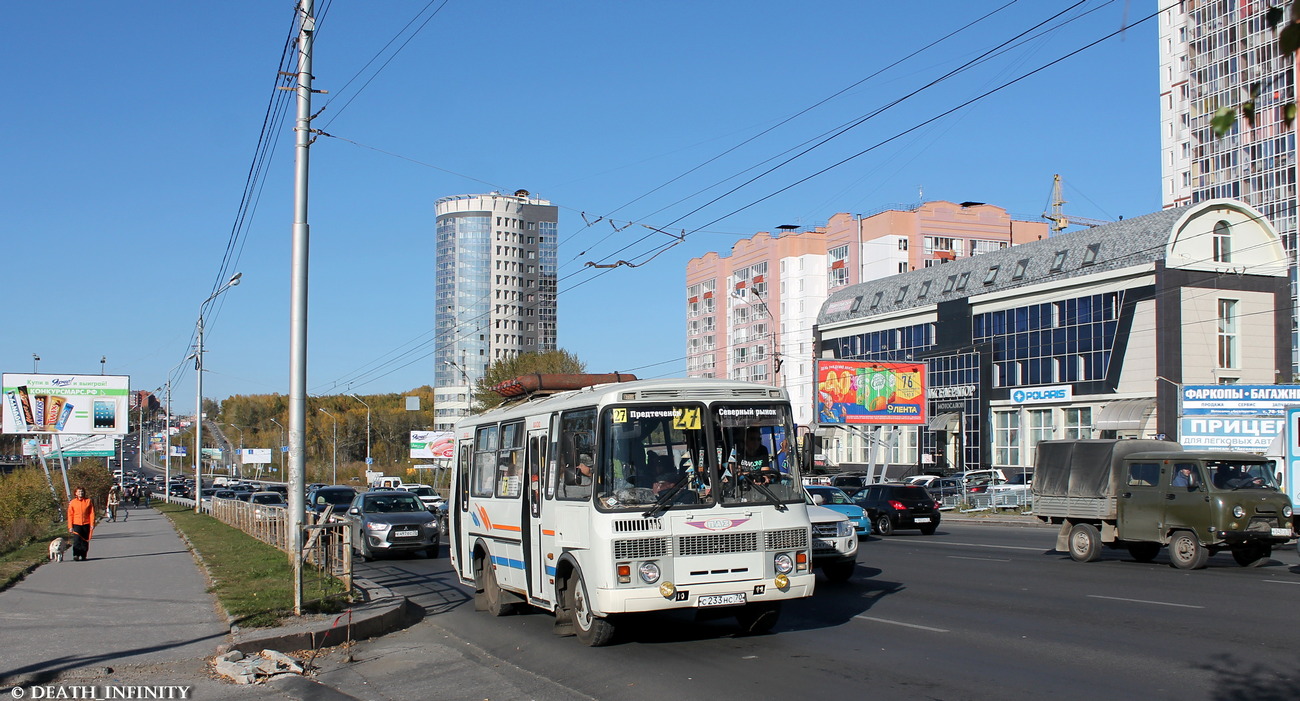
(1144, 495)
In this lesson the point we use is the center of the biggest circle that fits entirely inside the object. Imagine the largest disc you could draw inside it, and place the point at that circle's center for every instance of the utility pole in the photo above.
(298, 301)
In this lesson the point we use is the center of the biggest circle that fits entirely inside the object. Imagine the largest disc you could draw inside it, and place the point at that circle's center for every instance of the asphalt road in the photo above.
(972, 612)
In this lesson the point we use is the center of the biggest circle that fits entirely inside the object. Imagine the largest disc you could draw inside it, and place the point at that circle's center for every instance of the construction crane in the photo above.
(1058, 218)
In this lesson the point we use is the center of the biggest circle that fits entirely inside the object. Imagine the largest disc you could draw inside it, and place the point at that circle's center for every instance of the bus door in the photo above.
(538, 540)
(459, 507)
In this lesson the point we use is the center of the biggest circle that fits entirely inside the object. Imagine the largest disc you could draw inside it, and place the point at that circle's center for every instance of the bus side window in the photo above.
(577, 450)
(462, 477)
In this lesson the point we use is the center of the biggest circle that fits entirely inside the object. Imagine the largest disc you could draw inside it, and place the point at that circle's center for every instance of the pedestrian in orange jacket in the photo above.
(81, 520)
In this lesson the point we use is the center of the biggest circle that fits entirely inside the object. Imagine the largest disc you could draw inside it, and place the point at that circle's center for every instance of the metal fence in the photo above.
(1020, 499)
(327, 542)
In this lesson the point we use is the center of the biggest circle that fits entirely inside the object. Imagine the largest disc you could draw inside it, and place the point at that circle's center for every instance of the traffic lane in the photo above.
(1164, 626)
(921, 618)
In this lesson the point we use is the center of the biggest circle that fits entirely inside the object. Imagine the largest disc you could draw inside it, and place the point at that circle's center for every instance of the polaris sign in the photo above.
(1043, 395)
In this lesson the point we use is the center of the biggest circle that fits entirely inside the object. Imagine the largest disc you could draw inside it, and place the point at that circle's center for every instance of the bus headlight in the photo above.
(649, 572)
(1238, 512)
(784, 563)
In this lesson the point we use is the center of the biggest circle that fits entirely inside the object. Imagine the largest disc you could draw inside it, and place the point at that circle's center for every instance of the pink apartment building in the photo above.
(750, 314)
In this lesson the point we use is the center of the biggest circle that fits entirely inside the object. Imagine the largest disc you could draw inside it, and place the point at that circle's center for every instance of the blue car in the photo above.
(835, 499)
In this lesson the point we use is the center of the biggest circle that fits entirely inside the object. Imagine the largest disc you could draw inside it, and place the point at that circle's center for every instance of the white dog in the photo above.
(58, 547)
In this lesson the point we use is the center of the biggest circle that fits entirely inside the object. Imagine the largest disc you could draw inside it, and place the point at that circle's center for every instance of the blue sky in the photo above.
(130, 131)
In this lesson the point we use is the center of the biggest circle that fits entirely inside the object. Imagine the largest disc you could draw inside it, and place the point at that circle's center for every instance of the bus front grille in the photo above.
(640, 548)
(788, 539)
(633, 525)
(717, 543)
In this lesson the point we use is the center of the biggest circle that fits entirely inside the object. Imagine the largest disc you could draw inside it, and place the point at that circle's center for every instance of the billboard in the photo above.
(77, 404)
(73, 446)
(864, 392)
(432, 444)
(1239, 400)
(254, 456)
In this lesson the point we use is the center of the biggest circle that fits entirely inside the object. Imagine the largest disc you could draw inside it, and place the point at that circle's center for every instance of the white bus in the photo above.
(636, 496)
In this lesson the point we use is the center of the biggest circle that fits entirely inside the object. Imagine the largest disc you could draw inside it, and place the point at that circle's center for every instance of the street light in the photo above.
(277, 423)
(35, 359)
(359, 399)
(198, 398)
(102, 359)
(336, 444)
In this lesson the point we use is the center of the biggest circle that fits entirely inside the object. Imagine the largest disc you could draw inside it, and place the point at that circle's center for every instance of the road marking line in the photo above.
(982, 559)
(915, 541)
(900, 623)
(1144, 601)
(1278, 581)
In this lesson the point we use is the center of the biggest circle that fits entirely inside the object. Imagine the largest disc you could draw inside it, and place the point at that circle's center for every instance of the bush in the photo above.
(27, 508)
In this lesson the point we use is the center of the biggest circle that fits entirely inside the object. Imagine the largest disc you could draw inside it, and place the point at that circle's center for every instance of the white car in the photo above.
(428, 495)
(926, 481)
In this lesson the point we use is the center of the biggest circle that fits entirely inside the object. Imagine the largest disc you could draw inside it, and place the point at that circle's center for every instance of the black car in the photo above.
(894, 506)
(324, 495)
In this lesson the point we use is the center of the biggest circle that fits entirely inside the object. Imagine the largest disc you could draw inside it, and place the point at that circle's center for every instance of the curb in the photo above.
(369, 620)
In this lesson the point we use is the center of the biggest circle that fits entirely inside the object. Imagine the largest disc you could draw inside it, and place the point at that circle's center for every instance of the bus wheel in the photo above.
(487, 593)
(758, 618)
(591, 629)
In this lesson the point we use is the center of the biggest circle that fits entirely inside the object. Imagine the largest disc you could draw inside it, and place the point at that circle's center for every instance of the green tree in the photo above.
(556, 361)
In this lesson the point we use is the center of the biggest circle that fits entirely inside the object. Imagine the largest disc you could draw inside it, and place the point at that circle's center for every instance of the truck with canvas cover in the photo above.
(1141, 495)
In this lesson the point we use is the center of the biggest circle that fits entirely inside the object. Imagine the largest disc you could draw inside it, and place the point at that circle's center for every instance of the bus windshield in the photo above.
(648, 450)
(754, 454)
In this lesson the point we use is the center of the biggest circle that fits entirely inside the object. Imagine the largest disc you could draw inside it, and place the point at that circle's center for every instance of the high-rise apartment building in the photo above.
(1214, 55)
(750, 314)
(495, 286)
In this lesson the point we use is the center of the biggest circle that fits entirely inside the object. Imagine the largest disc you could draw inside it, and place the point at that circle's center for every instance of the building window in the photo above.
(1222, 242)
(1041, 428)
(925, 289)
(838, 273)
(1078, 423)
(902, 295)
(1021, 266)
(875, 299)
(1228, 357)
(992, 275)
(902, 244)
(1090, 255)
(961, 281)
(947, 286)
(1006, 437)
(1059, 261)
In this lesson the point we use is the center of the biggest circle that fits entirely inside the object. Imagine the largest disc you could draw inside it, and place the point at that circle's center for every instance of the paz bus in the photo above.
(592, 496)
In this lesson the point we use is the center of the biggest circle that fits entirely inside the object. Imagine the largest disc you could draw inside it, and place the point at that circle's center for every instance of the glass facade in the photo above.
(957, 375)
(1055, 342)
(462, 288)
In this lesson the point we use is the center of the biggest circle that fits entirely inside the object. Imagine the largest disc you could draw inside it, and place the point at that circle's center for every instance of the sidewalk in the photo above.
(140, 598)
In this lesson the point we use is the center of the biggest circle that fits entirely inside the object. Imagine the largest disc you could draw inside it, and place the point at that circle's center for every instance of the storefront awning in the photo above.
(1124, 414)
(949, 422)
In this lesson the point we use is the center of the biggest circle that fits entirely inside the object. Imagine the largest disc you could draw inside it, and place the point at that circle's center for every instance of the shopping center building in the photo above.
(1087, 334)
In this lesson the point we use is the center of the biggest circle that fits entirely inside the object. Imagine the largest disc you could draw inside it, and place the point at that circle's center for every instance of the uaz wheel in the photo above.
(1186, 552)
(1085, 542)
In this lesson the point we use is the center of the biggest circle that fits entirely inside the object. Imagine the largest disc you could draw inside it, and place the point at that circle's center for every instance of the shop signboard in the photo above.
(873, 393)
(1251, 434)
(1239, 400)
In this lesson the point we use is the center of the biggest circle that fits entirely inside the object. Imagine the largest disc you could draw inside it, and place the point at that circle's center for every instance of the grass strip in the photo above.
(15, 564)
(252, 581)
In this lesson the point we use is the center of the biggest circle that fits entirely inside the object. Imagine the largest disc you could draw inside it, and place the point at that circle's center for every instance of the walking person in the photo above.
(81, 521)
(114, 503)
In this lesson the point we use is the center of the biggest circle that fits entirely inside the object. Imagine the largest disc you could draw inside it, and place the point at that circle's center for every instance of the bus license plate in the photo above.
(405, 534)
(721, 600)
(1283, 532)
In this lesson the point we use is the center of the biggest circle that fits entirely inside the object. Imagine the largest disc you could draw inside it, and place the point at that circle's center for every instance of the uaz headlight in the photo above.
(1238, 512)
(1286, 511)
